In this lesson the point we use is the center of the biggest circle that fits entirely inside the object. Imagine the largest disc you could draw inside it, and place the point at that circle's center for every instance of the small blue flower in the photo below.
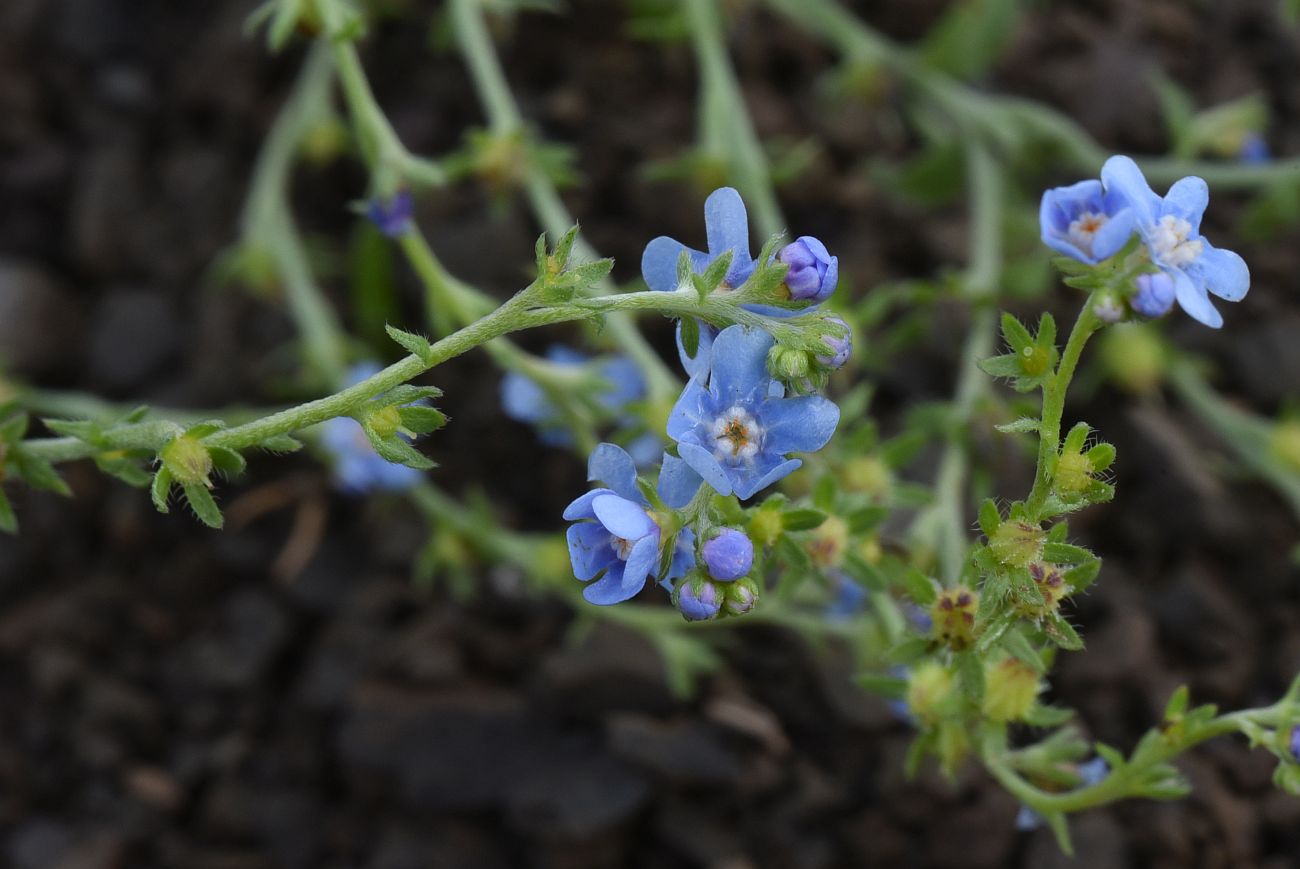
(357, 467)
(1294, 744)
(1084, 222)
(729, 555)
(615, 538)
(524, 400)
(392, 218)
(813, 272)
(850, 598)
(841, 345)
(726, 228)
(1154, 296)
(700, 601)
(1254, 150)
(1170, 228)
(736, 430)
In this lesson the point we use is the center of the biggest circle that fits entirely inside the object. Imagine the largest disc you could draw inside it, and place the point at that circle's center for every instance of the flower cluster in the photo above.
(1092, 221)
(734, 428)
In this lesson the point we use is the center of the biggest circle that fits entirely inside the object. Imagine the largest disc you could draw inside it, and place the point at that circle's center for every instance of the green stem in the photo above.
(1049, 428)
(725, 124)
(505, 118)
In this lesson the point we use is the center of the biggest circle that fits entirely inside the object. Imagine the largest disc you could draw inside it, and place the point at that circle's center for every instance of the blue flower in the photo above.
(1170, 228)
(1084, 222)
(357, 467)
(736, 430)
(1254, 150)
(524, 400)
(728, 555)
(813, 272)
(726, 228)
(393, 217)
(1154, 296)
(850, 598)
(615, 538)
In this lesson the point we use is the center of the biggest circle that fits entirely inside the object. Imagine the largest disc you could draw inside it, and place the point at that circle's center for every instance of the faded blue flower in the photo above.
(700, 601)
(614, 540)
(1084, 222)
(850, 598)
(1154, 296)
(813, 272)
(728, 555)
(1170, 228)
(524, 400)
(358, 469)
(736, 429)
(1254, 149)
(393, 217)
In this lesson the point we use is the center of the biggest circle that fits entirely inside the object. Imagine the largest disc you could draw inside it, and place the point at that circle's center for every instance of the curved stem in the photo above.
(1049, 429)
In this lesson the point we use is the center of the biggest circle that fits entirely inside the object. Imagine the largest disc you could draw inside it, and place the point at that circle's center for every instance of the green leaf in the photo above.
(1019, 646)
(911, 649)
(280, 444)
(39, 474)
(412, 343)
(1101, 457)
(1061, 829)
(1007, 365)
(1063, 633)
(126, 470)
(408, 393)
(8, 520)
(1048, 716)
(887, 686)
(970, 675)
(690, 336)
(919, 587)
(422, 420)
(13, 428)
(994, 630)
(1082, 575)
(866, 518)
(1022, 425)
(582, 278)
(824, 492)
(1177, 704)
(1015, 334)
(1046, 336)
(802, 519)
(794, 555)
(1077, 437)
(227, 460)
(162, 487)
(205, 428)
(715, 273)
(1065, 553)
(203, 505)
(989, 517)
(82, 429)
(564, 247)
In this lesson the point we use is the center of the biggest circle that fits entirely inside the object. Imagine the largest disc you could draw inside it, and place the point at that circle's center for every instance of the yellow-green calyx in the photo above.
(1010, 688)
(930, 691)
(868, 475)
(1034, 360)
(1051, 585)
(1073, 473)
(1017, 544)
(828, 543)
(188, 460)
(789, 363)
(385, 421)
(953, 616)
(766, 526)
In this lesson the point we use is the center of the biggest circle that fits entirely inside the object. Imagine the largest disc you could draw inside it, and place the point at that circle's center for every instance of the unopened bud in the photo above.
(789, 363)
(741, 597)
(953, 617)
(1010, 688)
(385, 421)
(929, 691)
(828, 543)
(187, 459)
(1017, 544)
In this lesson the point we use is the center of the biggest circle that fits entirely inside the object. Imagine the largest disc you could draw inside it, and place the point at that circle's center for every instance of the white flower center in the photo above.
(736, 435)
(1170, 245)
(622, 547)
(1084, 228)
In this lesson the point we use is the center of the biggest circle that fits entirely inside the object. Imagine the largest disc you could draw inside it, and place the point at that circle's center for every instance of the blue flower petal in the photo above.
(678, 482)
(640, 562)
(1193, 299)
(707, 466)
(739, 363)
(608, 590)
(693, 405)
(699, 363)
(752, 483)
(659, 263)
(798, 425)
(1187, 198)
(625, 383)
(1114, 235)
(581, 508)
(683, 558)
(523, 400)
(726, 226)
(590, 551)
(611, 465)
(1121, 176)
(1222, 272)
(623, 518)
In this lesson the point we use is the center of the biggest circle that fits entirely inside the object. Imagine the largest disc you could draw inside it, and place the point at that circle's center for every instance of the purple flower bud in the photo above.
(813, 271)
(393, 217)
(741, 597)
(1154, 296)
(842, 345)
(1295, 743)
(729, 555)
(699, 600)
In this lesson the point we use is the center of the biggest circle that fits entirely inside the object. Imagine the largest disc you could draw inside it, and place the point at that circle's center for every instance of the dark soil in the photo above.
(175, 697)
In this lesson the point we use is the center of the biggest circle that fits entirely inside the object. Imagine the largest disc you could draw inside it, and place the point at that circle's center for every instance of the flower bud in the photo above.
(929, 691)
(1017, 544)
(868, 475)
(1010, 688)
(953, 617)
(1134, 357)
(765, 526)
(1051, 585)
(1073, 473)
(728, 555)
(1109, 309)
(789, 363)
(393, 217)
(829, 541)
(741, 597)
(385, 421)
(813, 272)
(188, 460)
(952, 746)
(1155, 295)
(699, 599)
(841, 346)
